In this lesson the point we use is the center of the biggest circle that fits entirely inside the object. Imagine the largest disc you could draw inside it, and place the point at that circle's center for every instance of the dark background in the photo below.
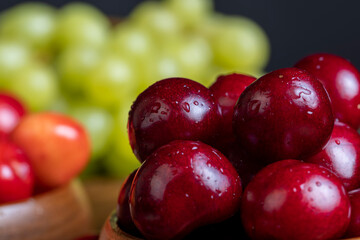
(295, 28)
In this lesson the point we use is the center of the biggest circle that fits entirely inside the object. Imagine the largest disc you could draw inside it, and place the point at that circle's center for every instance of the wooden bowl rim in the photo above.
(114, 226)
(41, 195)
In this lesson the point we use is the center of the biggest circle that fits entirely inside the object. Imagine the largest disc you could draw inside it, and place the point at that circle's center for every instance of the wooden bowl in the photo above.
(111, 231)
(60, 214)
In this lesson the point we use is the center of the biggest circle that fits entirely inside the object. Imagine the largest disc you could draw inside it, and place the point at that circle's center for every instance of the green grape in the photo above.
(136, 44)
(158, 20)
(33, 23)
(36, 85)
(193, 54)
(132, 41)
(111, 81)
(121, 162)
(165, 65)
(13, 57)
(191, 12)
(239, 43)
(99, 124)
(73, 66)
(81, 24)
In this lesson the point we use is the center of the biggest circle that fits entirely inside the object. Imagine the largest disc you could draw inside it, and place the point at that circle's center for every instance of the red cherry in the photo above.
(341, 155)
(171, 109)
(11, 111)
(341, 80)
(16, 173)
(181, 186)
(226, 91)
(354, 226)
(284, 114)
(290, 199)
(125, 221)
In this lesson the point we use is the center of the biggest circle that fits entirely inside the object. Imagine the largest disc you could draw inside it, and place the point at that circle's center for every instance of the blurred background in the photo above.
(91, 59)
(295, 28)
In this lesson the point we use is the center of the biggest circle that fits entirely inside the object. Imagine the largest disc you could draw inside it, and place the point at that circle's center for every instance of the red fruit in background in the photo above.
(11, 111)
(226, 91)
(16, 173)
(125, 221)
(341, 80)
(57, 146)
(341, 155)
(290, 199)
(171, 109)
(181, 186)
(354, 226)
(284, 114)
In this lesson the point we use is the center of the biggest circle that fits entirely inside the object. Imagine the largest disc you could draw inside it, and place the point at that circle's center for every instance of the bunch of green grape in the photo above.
(76, 61)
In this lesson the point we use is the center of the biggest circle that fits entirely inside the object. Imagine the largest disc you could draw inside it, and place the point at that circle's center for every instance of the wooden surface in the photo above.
(103, 194)
(60, 214)
(111, 231)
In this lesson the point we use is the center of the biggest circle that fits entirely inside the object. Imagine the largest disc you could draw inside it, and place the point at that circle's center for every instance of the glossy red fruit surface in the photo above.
(290, 199)
(181, 186)
(171, 109)
(284, 114)
(341, 80)
(16, 173)
(354, 226)
(11, 111)
(341, 155)
(57, 146)
(226, 91)
(125, 221)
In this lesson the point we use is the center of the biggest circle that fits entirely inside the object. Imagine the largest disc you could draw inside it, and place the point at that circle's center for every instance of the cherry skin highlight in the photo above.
(341, 155)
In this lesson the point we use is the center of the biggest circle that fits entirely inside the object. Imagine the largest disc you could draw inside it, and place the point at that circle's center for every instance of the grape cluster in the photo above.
(77, 61)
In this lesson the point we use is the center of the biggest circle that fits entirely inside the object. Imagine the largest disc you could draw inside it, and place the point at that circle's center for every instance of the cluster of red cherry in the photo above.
(288, 138)
(38, 151)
